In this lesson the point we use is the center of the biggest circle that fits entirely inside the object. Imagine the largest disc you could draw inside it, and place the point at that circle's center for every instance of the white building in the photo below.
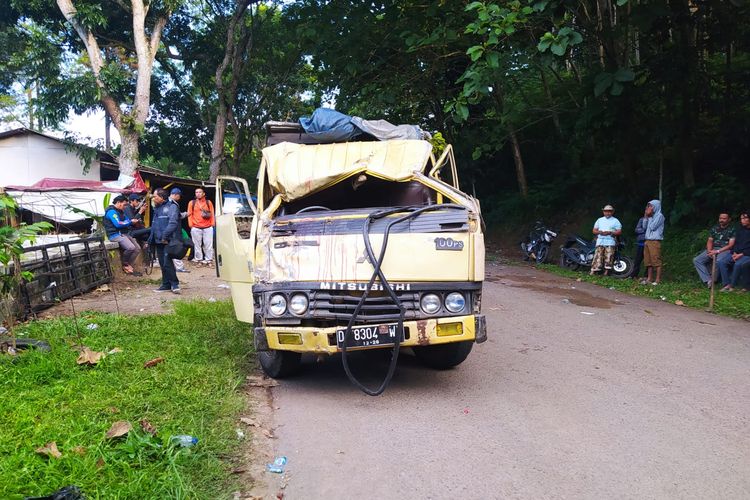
(27, 157)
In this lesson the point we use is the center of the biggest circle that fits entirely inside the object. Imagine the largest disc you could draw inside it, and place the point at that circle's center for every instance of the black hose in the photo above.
(378, 273)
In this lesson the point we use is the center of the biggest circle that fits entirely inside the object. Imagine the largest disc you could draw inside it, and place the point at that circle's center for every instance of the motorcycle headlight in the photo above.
(298, 303)
(430, 303)
(455, 302)
(277, 304)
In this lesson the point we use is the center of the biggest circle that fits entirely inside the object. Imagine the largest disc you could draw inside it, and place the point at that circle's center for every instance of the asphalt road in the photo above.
(638, 399)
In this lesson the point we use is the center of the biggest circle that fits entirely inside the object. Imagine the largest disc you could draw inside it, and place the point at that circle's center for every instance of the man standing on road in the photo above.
(740, 255)
(605, 229)
(165, 226)
(201, 222)
(652, 248)
(720, 241)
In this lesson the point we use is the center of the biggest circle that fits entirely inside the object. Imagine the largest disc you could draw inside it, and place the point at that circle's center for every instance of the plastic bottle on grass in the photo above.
(184, 441)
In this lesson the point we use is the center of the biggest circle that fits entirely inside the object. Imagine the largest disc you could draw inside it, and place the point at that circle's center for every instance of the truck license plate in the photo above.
(368, 336)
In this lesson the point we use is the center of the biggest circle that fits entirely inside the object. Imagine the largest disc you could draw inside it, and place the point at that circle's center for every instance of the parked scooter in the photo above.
(578, 252)
(537, 244)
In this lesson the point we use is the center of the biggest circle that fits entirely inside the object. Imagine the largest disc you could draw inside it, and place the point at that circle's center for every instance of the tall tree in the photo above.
(90, 25)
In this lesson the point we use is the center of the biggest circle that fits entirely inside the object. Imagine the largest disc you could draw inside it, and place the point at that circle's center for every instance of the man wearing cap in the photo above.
(134, 211)
(605, 229)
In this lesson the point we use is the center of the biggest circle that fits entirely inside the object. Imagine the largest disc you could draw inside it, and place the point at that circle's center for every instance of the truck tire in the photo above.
(280, 364)
(444, 356)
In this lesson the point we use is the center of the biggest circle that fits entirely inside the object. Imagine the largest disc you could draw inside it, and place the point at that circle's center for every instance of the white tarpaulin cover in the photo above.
(297, 170)
(54, 204)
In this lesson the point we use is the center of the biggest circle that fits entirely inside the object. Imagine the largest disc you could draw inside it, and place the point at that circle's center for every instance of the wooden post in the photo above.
(713, 284)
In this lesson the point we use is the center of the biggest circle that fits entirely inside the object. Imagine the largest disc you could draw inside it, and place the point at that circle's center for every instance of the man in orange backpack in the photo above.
(200, 216)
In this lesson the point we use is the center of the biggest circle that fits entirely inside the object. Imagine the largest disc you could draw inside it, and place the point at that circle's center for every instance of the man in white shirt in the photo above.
(605, 229)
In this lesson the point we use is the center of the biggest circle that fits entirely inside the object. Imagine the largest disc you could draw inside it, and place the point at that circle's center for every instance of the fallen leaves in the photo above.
(78, 450)
(260, 381)
(153, 362)
(119, 428)
(49, 450)
(114, 351)
(148, 427)
(89, 357)
(679, 303)
(268, 434)
(249, 421)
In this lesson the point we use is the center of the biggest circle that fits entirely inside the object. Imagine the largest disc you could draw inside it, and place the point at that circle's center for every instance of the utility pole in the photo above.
(107, 122)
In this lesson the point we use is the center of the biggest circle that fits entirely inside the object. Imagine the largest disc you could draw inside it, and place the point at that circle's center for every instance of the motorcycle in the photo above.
(579, 252)
(537, 244)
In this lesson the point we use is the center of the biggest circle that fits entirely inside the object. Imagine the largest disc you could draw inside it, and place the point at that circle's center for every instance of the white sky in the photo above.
(89, 125)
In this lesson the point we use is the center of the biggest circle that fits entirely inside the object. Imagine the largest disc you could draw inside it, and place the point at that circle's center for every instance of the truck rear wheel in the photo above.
(444, 356)
(280, 364)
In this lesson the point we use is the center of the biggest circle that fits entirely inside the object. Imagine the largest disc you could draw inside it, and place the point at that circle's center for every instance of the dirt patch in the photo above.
(524, 277)
(135, 295)
(574, 296)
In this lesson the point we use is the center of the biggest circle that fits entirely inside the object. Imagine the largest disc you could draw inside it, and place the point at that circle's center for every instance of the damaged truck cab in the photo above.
(301, 259)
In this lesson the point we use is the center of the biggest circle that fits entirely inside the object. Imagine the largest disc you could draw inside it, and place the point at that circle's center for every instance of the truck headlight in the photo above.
(277, 304)
(430, 303)
(455, 302)
(298, 303)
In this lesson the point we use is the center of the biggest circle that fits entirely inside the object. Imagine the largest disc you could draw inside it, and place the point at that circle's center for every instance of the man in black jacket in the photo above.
(740, 256)
(134, 210)
(164, 228)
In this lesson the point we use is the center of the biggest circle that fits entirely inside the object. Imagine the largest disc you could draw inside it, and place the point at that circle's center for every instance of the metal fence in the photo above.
(62, 270)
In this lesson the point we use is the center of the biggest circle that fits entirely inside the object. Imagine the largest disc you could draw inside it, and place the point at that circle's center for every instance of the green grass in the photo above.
(48, 397)
(689, 291)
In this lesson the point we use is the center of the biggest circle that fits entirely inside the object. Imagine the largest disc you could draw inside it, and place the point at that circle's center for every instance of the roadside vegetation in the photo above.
(680, 282)
(48, 397)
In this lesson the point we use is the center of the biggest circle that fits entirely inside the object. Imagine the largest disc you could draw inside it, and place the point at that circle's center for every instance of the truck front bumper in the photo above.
(417, 333)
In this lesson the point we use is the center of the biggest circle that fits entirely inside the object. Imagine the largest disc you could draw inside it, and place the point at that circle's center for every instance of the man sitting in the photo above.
(116, 225)
(740, 256)
(718, 246)
(134, 211)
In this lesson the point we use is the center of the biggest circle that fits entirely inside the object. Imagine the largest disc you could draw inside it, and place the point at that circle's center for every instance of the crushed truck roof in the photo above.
(297, 170)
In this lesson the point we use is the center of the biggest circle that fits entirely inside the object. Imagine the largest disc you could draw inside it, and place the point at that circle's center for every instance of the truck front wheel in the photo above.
(280, 364)
(444, 356)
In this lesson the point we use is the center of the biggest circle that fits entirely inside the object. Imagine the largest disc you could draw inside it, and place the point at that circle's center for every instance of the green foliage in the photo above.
(194, 391)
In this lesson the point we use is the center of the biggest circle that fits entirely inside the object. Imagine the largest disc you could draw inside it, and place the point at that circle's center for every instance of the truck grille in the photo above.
(378, 307)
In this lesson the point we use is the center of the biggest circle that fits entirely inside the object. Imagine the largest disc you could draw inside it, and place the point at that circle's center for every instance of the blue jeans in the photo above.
(702, 263)
(725, 266)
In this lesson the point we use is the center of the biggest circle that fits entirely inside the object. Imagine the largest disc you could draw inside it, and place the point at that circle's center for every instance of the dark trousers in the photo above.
(638, 261)
(168, 272)
(141, 235)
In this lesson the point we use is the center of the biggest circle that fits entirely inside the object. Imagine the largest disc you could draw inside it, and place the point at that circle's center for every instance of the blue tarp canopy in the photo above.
(328, 125)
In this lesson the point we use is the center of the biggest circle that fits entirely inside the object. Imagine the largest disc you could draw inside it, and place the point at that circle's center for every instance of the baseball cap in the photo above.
(608, 207)
(134, 196)
(176, 191)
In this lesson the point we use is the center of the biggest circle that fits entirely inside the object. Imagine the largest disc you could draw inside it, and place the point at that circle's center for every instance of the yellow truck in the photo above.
(352, 246)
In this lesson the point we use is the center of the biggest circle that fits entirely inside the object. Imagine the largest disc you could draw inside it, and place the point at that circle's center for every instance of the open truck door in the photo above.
(235, 241)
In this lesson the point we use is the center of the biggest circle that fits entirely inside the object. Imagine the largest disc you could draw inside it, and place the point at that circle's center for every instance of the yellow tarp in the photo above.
(297, 170)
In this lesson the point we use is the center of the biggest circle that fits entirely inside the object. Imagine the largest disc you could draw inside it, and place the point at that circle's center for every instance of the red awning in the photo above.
(52, 184)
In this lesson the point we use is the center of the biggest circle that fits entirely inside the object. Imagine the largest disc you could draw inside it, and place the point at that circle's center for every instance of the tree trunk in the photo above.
(688, 49)
(236, 45)
(217, 146)
(128, 159)
(518, 160)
